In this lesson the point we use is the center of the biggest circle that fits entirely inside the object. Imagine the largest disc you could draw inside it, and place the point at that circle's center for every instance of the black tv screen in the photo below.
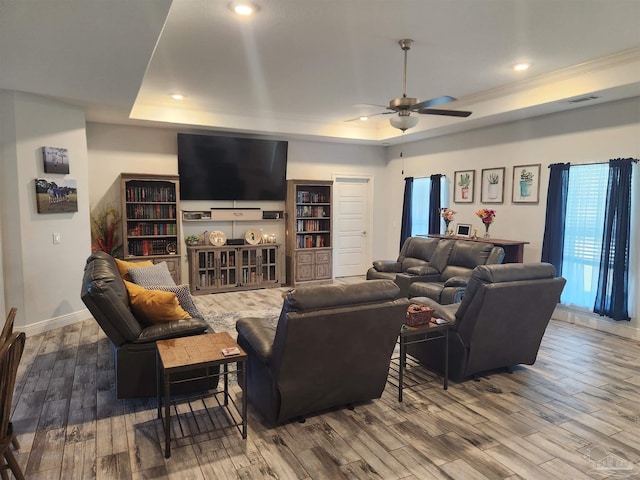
(231, 168)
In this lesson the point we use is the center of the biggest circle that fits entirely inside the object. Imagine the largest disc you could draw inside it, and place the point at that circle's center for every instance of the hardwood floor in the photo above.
(574, 414)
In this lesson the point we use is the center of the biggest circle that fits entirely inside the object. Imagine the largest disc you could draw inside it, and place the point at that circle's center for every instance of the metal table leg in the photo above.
(401, 366)
(242, 371)
(167, 414)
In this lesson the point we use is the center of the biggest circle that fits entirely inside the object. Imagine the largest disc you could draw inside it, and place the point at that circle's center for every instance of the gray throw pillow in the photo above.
(184, 297)
(157, 274)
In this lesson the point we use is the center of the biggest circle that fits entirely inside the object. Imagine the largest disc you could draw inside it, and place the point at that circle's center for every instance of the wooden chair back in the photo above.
(10, 355)
(7, 330)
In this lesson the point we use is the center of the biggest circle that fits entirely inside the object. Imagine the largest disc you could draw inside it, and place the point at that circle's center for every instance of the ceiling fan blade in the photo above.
(370, 115)
(449, 113)
(433, 102)
(359, 105)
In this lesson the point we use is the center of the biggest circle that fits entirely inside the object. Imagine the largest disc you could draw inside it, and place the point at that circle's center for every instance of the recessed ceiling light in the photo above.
(364, 118)
(244, 8)
(521, 67)
(177, 96)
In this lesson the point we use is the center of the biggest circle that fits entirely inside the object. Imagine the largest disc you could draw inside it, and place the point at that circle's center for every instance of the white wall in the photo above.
(42, 279)
(584, 135)
(114, 149)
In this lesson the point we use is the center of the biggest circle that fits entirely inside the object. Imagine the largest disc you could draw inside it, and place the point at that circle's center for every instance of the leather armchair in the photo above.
(454, 261)
(134, 345)
(499, 322)
(332, 347)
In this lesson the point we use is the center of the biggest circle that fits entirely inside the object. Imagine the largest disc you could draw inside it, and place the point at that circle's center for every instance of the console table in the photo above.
(513, 249)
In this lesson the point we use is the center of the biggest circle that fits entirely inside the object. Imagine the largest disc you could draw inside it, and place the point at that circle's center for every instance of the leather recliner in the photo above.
(499, 322)
(134, 345)
(414, 257)
(332, 347)
(453, 260)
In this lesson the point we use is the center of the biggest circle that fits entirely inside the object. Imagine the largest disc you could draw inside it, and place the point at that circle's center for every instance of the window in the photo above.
(584, 225)
(420, 204)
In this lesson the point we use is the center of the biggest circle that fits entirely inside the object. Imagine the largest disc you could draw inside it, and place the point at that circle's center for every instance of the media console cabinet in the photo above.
(234, 267)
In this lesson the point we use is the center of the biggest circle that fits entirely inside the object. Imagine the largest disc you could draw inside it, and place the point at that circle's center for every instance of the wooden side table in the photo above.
(423, 333)
(202, 355)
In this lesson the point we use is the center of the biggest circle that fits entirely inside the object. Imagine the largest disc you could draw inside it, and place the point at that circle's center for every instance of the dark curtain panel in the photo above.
(434, 204)
(553, 240)
(405, 228)
(613, 279)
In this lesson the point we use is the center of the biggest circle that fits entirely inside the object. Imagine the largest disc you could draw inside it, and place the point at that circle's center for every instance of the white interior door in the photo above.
(351, 225)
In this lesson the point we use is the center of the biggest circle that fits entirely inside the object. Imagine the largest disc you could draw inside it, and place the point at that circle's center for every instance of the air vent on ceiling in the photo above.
(582, 99)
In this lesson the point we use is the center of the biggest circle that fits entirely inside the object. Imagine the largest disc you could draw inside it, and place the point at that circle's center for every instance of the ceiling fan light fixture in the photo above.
(403, 122)
(521, 67)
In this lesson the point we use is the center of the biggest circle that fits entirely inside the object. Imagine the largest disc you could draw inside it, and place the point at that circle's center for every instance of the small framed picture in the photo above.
(56, 160)
(526, 183)
(463, 186)
(492, 185)
(463, 230)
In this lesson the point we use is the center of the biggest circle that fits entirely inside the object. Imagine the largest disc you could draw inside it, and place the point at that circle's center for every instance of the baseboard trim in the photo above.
(56, 322)
(596, 322)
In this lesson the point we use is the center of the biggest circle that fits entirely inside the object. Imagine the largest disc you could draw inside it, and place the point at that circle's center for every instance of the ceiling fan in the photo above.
(404, 105)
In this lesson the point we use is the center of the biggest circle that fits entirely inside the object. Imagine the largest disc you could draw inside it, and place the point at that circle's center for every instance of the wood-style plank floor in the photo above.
(574, 414)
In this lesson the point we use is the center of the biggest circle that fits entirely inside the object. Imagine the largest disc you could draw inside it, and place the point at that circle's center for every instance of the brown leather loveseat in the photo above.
(332, 347)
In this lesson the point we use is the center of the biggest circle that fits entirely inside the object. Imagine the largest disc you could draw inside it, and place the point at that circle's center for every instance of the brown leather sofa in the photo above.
(442, 267)
(499, 322)
(134, 345)
(454, 260)
(332, 347)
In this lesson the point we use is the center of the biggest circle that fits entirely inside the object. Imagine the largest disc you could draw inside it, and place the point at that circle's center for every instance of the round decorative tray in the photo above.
(217, 238)
(252, 237)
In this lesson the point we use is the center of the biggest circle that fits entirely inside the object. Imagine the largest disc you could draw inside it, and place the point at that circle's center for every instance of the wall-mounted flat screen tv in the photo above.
(231, 168)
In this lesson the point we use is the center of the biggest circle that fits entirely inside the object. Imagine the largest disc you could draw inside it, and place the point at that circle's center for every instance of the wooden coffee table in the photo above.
(201, 355)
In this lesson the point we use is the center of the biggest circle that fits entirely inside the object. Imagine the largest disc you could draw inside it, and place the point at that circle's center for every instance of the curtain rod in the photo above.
(634, 160)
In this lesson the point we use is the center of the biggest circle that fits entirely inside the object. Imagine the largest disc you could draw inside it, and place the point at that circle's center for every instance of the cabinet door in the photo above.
(323, 264)
(227, 268)
(269, 265)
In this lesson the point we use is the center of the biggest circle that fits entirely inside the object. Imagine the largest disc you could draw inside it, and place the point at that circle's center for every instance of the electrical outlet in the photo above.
(56, 238)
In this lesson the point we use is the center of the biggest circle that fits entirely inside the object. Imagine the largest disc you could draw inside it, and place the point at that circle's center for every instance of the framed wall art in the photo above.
(492, 185)
(463, 186)
(526, 184)
(56, 160)
(56, 196)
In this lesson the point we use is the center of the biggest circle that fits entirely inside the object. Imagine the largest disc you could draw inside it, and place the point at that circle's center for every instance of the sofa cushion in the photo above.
(154, 306)
(469, 254)
(123, 267)
(157, 274)
(440, 256)
(184, 297)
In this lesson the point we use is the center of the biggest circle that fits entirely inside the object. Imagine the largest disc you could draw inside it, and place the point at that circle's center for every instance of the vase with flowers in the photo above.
(447, 216)
(486, 215)
(105, 226)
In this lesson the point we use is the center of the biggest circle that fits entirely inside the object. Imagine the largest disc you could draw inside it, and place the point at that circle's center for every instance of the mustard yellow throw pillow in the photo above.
(154, 306)
(123, 267)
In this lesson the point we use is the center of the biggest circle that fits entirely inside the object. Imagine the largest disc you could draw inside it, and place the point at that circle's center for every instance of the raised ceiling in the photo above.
(300, 68)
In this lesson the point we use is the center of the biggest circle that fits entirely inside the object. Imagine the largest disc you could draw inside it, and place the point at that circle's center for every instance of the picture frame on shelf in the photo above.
(492, 185)
(463, 230)
(526, 183)
(464, 186)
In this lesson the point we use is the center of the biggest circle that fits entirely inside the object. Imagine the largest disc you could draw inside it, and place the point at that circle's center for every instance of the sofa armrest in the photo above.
(457, 281)
(447, 312)
(390, 266)
(450, 295)
(423, 270)
(178, 328)
(259, 335)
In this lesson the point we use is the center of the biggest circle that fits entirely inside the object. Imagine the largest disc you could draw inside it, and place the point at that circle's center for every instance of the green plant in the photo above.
(465, 180)
(192, 239)
(526, 176)
(493, 179)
